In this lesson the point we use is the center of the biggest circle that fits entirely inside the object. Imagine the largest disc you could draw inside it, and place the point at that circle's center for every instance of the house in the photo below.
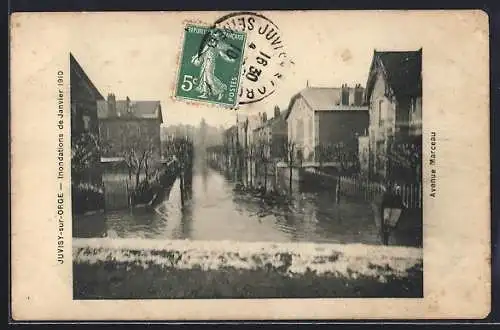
(84, 126)
(262, 137)
(246, 124)
(394, 95)
(231, 145)
(272, 134)
(125, 125)
(324, 124)
(279, 133)
(231, 138)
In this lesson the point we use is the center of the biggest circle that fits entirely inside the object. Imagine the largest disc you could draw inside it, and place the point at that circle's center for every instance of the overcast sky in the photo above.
(136, 55)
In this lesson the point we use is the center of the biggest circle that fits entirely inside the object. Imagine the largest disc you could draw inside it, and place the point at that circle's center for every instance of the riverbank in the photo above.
(121, 268)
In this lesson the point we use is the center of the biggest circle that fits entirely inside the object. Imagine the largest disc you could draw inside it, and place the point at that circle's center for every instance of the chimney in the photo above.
(358, 95)
(345, 95)
(264, 117)
(111, 104)
(276, 111)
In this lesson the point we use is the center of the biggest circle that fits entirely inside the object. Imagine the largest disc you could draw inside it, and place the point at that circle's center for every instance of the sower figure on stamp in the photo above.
(209, 85)
(391, 209)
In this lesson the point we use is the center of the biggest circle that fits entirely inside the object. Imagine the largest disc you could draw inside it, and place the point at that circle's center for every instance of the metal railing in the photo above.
(370, 191)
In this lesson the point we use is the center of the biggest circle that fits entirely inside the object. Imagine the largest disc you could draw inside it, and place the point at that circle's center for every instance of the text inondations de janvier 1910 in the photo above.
(60, 166)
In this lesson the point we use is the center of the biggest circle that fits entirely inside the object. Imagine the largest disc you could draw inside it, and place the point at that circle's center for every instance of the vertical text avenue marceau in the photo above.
(432, 163)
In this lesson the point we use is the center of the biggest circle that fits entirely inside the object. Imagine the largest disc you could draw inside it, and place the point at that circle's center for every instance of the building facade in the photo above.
(125, 125)
(231, 146)
(325, 123)
(394, 95)
(279, 134)
(262, 136)
(84, 126)
(248, 126)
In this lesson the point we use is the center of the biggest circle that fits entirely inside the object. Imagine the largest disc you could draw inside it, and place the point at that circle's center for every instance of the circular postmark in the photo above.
(264, 58)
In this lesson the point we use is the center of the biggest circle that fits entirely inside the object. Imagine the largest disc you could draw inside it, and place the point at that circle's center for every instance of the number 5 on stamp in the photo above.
(210, 65)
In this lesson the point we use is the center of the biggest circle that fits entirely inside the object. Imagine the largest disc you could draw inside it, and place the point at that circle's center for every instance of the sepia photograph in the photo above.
(160, 207)
(250, 165)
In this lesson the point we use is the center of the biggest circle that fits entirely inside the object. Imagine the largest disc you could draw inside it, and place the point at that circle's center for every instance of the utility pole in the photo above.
(238, 160)
(246, 152)
(237, 129)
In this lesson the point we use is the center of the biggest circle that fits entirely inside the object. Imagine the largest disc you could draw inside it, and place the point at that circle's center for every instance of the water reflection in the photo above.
(215, 211)
(204, 178)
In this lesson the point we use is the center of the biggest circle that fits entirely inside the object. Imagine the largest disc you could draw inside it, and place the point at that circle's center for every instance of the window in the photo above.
(86, 122)
(380, 119)
(413, 105)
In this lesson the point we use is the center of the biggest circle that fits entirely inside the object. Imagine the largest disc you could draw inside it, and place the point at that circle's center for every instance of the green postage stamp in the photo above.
(210, 65)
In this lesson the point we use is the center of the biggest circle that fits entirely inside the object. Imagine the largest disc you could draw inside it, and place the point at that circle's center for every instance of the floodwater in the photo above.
(215, 211)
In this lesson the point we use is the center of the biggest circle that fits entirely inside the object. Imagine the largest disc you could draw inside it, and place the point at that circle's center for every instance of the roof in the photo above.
(77, 69)
(269, 122)
(401, 69)
(138, 109)
(231, 130)
(286, 112)
(322, 99)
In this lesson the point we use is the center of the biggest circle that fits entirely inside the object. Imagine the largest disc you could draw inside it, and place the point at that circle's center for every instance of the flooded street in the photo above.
(216, 212)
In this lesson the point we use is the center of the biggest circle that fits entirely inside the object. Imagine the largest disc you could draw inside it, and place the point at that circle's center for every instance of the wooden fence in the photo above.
(358, 187)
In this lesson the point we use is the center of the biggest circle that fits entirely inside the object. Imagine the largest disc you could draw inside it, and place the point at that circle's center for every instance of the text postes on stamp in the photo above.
(210, 65)
(265, 56)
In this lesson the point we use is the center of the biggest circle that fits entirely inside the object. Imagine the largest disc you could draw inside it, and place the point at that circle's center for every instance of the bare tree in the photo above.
(290, 158)
(245, 150)
(86, 177)
(183, 150)
(251, 150)
(405, 159)
(263, 158)
(240, 157)
(322, 154)
(85, 153)
(138, 154)
(344, 156)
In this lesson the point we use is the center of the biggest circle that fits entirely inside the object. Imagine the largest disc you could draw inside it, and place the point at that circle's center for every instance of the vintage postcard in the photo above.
(245, 165)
